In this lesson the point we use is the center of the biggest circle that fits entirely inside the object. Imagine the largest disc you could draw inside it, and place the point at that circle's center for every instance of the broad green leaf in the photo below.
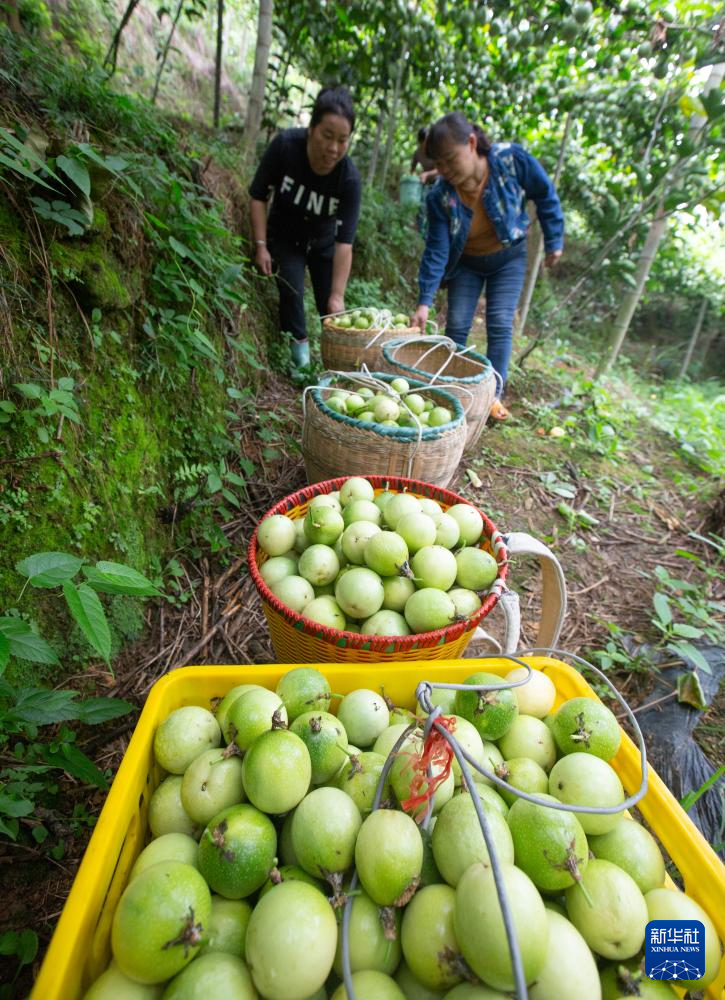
(687, 651)
(29, 389)
(15, 807)
(10, 830)
(115, 578)
(85, 606)
(180, 248)
(24, 643)
(66, 384)
(4, 652)
(43, 707)
(77, 172)
(49, 569)
(27, 947)
(687, 631)
(662, 608)
(95, 710)
(75, 762)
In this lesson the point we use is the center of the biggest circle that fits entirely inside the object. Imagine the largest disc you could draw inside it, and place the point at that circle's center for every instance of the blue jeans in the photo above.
(502, 274)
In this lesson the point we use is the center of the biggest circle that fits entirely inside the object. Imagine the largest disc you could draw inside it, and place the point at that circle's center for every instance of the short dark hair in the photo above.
(422, 133)
(333, 101)
(454, 128)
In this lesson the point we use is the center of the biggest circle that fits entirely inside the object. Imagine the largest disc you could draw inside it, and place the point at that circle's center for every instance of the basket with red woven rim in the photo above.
(298, 639)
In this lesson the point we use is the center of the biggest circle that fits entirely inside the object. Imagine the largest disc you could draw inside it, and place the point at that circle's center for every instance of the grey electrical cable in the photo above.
(423, 693)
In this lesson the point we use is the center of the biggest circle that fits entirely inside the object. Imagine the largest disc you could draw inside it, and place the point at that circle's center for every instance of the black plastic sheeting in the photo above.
(672, 750)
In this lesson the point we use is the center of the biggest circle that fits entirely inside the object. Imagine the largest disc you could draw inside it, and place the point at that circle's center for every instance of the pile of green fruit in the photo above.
(371, 319)
(403, 407)
(267, 807)
(385, 565)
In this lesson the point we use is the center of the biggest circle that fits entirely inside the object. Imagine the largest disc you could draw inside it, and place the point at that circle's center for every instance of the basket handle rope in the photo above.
(553, 602)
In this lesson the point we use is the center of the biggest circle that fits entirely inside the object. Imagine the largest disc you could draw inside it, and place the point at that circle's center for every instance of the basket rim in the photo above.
(403, 434)
(476, 379)
(329, 324)
(381, 643)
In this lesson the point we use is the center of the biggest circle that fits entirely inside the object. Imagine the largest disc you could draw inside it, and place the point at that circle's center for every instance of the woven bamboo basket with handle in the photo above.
(437, 361)
(346, 349)
(335, 444)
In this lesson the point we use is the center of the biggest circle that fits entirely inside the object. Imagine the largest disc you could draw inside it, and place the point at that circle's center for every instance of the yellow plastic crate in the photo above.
(80, 948)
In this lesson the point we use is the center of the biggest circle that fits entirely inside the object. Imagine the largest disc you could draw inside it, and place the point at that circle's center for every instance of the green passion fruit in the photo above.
(291, 941)
(166, 811)
(326, 740)
(160, 922)
(183, 735)
(237, 850)
(389, 857)
(428, 938)
(458, 839)
(491, 712)
(324, 831)
(634, 849)
(608, 910)
(586, 726)
(371, 985)
(569, 972)
(277, 771)
(374, 937)
(227, 930)
(215, 974)
(480, 930)
(210, 783)
(168, 847)
(549, 844)
(303, 689)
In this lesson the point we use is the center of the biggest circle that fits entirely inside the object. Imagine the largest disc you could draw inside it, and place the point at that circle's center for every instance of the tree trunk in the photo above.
(656, 231)
(537, 247)
(710, 341)
(373, 165)
(259, 77)
(165, 53)
(392, 121)
(12, 16)
(694, 338)
(631, 299)
(112, 54)
(218, 61)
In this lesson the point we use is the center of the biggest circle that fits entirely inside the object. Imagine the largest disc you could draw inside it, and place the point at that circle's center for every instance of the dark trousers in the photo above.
(289, 261)
(502, 275)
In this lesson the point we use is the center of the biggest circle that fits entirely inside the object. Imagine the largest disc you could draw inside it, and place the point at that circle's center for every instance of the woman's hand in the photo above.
(336, 303)
(264, 260)
(551, 259)
(420, 317)
(429, 175)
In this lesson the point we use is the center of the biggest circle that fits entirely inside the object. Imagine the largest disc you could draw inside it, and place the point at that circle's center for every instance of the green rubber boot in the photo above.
(300, 355)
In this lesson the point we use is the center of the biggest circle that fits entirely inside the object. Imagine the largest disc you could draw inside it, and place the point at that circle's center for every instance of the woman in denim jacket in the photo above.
(476, 238)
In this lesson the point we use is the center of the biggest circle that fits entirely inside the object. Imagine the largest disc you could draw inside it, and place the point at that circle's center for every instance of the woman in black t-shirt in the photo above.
(314, 213)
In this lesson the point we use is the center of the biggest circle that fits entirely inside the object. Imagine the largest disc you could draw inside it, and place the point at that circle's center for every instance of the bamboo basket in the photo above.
(334, 444)
(299, 640)
(346, 349)
(467, 375)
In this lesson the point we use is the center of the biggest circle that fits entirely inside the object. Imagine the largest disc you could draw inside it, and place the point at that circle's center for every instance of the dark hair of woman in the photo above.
(333, 101)
(454, 128)
(422, 133)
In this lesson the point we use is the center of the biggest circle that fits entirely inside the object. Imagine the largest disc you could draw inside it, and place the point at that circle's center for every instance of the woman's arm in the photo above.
(258, 214)
(540, 188)
(341, 264)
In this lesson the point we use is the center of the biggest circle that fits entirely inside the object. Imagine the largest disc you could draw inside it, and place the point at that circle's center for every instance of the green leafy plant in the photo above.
(24, 946)
(49, 570)
(44, 407)
(686, 611)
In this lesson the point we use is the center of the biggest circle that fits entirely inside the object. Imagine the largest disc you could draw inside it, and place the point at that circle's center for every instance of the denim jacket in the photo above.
(514, 177)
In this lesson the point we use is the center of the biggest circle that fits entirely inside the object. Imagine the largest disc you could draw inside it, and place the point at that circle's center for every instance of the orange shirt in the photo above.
(482, 237)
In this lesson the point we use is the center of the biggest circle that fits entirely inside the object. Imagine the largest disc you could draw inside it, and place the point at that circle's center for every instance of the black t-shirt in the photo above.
(306, 205)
